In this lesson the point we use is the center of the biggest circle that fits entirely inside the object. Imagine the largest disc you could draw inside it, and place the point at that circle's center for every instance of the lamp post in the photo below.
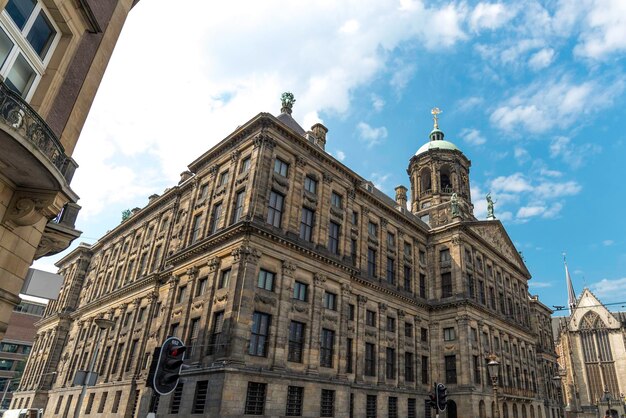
(103, 324)
(557, 384)
(492, 368)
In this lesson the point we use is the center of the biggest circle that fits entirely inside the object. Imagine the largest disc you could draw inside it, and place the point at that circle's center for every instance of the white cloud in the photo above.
(574, 155)
(542, 59)
(490, 16)
(521, 155)
(514, 183)
(610, 289)
(530, 211)
(371, 136)
(380, 180)
(341, 156)
(472, 136)
(554, 190)
(539, 285)
(553, 211)
(550, 173)
(378, 102)
(608, 242)
(603, 28)
(350, 27)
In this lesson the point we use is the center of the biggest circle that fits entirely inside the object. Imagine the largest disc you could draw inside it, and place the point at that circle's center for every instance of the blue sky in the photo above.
(533, 92)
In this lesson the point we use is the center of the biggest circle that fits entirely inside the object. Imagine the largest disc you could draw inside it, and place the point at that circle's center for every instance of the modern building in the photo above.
(16, 346)
(591, 343)
(300, 290)
(53, 54)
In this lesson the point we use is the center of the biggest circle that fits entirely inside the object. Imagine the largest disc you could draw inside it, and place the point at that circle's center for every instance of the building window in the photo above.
(25, 47)
(327, 348)
(450, 362)
(391, 271)
(391, 324)
(216, 218)
(201, 288)
(353, 245)
(349, 355)
(327, 407)
(57, 408)
(300, 291)
(296, 341)
(449, 334)
(275, 209)
(238, 210)
(199, 398)
(408, 330)
(195, 231)
(118, 395)
(370, 318)
(392, 407)
(409, 374)
(354, 218)
(481, 292)
(446, 285)
(336, 200)
(422, 285)
(193, 335)
(425, 370)
(390, 363)
(444, 256)
(391, 239)
(476, 369)
(174, 329)
(182, 292)
(92, 395)
(223, 179)
(310, 184)
(422, 257)
(266, 280)
(407, 278)
(370, 359)
(306, 224)
(333, 237)
(351, 312)
(224, 279)
(371, 262)
(141, 313)
(295, 396)
(424, 335)
(245, 165)
(216, 332)
(372, 229)
(102, 404)
(370, 406)
(411, 408)
(260, 334)
(255, 398)
(281, 167)
(330, 301)
(470, 286)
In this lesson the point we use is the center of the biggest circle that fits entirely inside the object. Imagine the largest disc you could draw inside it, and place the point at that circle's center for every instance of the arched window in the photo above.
(599, 364)
(445, 179)
(505, 410)
(482, 412)
(524, 411)
(515, 415)
(425, 182)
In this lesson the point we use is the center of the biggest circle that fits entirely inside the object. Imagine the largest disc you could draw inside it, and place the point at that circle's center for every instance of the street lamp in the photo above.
(493, 367)
(557, 384)
(103, 324)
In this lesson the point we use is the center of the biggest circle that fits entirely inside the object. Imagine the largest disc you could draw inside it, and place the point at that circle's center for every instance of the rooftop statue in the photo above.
(287, 100)
(490, 204)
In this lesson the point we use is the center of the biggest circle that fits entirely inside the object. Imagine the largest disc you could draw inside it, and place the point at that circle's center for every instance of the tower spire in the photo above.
(571, 296)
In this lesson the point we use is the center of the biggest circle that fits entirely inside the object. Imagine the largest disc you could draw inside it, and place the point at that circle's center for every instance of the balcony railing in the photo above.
(18, 116)
(518, 392)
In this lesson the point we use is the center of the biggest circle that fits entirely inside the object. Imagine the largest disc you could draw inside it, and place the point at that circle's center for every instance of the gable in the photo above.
(494, 234)
(589, 306)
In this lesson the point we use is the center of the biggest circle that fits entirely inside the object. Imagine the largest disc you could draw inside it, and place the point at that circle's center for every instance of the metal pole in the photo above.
(83, 390)
(495, 394)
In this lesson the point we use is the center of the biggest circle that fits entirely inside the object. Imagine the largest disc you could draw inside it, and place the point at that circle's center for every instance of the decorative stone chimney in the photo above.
(320, 131)
(152, 198)
(184, 176)
(401, 196)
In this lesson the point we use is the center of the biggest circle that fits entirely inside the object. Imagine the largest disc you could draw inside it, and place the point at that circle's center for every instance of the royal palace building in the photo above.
(300, 290)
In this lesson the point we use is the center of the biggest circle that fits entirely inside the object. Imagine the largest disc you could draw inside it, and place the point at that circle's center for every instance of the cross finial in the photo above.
(436, 112)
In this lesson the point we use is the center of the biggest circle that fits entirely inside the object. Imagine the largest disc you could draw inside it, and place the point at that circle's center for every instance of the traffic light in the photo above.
(167, 370)
(442, 395)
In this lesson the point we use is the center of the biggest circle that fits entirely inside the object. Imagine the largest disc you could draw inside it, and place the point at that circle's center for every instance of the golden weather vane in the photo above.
(436, 112)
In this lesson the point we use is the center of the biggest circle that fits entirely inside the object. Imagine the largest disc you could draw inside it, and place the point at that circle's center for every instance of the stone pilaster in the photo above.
(319, 281)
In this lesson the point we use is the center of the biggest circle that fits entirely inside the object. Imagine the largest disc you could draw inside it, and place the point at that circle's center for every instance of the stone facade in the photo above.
(43, 112)
(591, 343)
(299, 288)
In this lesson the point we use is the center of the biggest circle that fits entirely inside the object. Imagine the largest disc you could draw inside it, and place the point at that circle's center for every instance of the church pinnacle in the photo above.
(571, 296)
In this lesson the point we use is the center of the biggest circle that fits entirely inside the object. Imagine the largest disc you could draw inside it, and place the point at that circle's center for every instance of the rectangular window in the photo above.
(349, 355)
(409, 373)
(370, 359)
(296, 341)
(275, 209)
(411, 408)
(330, 301)
(245, 165)
(295, 395)
(327, 407)
(281, 167)
(449, 334)
(354, 218)
(333, 237)
(407, 249)
(204, 191)
(371, 262)
(370, 318)
(391, 324)
(353, 244)
(223, 179)
(444, 256)
(310, 184)
(116, 400)
(300, 291)
(391, 239)
(407, 278)
(425, 370)
(470, 286)
(57, 408)
(255, 398)
(224, 279)
(476, 369)
(156, 258)
(327, 348)
(481, 292)
(492, 298)
(131, 357)
(392, 407)
(336, 200)
(390, 363)
(182, 292)
(424, 335)
(216, 332)
(446, 285)
(92, 395)
(351, 312)
(306, 224)
(422, 285)
(372, 229)
(102, 404)
(450, 362)
(238, 210)
(370, 406)
(216, 218)
(259, 335)
(193, 335)
(141, 314)
(391, 270)
(199, 398)
(266, 280)
(195, 231)
(201, 288)
(422, 257)
(408, 330)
